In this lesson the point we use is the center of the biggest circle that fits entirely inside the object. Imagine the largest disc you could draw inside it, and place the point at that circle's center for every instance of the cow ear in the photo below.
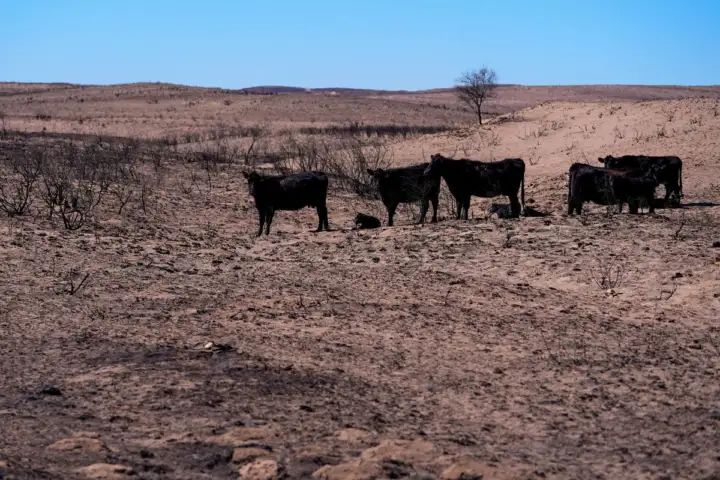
(246, 174)
(601, 160)
(371, 172)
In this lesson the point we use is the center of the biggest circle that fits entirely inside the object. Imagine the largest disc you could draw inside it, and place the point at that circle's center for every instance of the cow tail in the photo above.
(522, 191)
(681, 192)
(569, 187)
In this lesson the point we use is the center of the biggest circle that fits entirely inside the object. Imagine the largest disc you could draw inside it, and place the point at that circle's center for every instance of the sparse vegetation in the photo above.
(608, 274)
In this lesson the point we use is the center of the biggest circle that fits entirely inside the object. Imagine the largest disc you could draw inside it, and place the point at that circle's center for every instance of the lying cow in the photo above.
(288, 192)
(667, 170)
(466, 178)
(609, 187)
(407, 185)
(364, 221)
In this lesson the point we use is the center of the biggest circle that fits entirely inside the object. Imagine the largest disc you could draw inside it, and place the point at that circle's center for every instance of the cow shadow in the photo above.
(699, 205)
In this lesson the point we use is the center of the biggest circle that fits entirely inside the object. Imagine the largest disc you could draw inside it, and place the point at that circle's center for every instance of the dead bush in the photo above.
(16, 187)
(345, 160)
(608, 274)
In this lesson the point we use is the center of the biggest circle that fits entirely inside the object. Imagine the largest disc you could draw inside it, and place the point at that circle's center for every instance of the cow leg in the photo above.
(435, 207)
(620, 207)
(325, 218)
(633, 206)
(514, 206)
(261, 214)
(391, 213)
(578, 207)
(322, 217)
(459, 207)
(466, 207)
(571, 207)
(674, 193)
(424, 204)
(268, 220)
(651, 204)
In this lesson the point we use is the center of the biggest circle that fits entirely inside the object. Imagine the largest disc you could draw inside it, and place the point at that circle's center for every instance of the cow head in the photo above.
(436, 164)
(608, 161)
(253, 178)
(377, 174)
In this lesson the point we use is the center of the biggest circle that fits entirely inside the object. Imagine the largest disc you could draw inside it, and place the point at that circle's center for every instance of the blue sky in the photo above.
(392, 44)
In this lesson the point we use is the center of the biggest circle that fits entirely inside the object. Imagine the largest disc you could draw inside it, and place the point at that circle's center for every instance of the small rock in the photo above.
(264, 469)
(250, 451)
(106, 471)
(469, 468)
(415, 451)
(716, 244)
(353, 470)
(352, 435)
(237, 436)
(78, 444)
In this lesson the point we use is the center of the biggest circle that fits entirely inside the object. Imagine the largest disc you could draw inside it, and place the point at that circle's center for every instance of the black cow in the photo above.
(667, 170)
(288, 192)
(363, 221)
(407, 185)
(466, 178)
(609, 187)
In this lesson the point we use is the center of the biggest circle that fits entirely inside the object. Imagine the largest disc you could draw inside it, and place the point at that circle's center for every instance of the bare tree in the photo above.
(474, 87)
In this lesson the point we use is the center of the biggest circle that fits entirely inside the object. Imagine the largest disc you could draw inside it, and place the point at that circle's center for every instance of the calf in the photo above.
(667, 170)
(363, 221)
(608, 187)
(288, 192)
(407, 185)
(466, 178)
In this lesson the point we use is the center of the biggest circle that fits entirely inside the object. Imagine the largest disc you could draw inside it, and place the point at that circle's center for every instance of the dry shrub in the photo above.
(356, 129)
(608, 274)
(345, 160)
(16, 187)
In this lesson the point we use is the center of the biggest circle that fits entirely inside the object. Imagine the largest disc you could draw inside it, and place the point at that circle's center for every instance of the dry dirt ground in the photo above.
(490, 349)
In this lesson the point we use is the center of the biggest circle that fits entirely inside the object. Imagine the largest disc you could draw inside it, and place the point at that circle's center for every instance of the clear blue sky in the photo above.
(392, 44)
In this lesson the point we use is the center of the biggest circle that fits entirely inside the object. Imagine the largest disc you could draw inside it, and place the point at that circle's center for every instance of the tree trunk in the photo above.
(479, 112)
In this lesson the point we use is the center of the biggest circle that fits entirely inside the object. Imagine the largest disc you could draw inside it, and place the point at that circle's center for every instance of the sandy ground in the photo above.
(479, 349)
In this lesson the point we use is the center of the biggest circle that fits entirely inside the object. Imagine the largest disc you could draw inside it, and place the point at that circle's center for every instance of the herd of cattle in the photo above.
(630, 179)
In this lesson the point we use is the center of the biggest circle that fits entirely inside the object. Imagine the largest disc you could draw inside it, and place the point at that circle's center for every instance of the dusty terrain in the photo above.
(481, 349)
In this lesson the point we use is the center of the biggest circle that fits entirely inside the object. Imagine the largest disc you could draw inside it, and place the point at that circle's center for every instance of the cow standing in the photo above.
(407, 185)
(466, 178)
(667, 170)
(609, 187)
(288, 192)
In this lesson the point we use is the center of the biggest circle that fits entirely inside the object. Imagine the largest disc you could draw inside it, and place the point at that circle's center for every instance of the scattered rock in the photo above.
(352, 435)
(408, 451)
(353, 470)
(51, 390)
(212, 347)
(469, 468)
(79, 444)
(250, 451)
(106, 471)
(237, 436)
(265, 469)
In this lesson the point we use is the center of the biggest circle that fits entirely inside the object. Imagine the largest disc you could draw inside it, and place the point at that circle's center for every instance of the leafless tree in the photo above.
(475, 86)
